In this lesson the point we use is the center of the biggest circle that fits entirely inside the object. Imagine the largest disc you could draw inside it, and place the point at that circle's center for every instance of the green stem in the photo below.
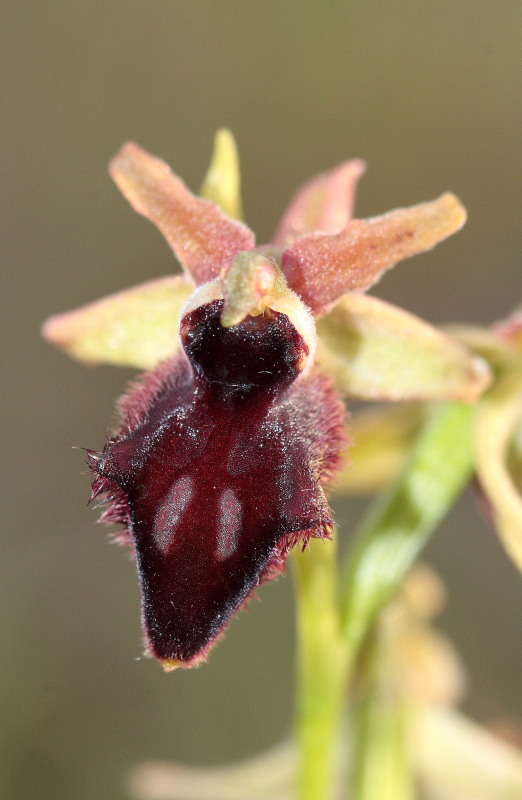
(332, 626)
(400, 523)
(381, 758)
(382, 768)
(387, 544)
(321, 668)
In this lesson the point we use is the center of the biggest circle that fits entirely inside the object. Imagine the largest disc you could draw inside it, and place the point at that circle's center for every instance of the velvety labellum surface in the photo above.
(216, 472)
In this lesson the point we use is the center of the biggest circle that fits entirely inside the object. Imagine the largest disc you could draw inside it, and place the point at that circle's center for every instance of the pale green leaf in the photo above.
(137, 327)
(499, 352)
(376, 351)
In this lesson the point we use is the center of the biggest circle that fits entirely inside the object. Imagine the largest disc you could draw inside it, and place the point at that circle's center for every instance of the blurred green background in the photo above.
(430, 94)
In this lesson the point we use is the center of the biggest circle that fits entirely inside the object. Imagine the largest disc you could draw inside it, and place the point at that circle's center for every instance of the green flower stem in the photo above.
(387, 544)
(381, 758)
(400, 523)
(333, 625)
(321, 669)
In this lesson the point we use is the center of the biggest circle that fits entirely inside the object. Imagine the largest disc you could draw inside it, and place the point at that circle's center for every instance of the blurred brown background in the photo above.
(430, 95)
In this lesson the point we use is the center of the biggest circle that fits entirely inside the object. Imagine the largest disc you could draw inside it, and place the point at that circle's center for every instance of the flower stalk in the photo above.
(400, 523)
(381, 758)
(321, 664)
(334, 621)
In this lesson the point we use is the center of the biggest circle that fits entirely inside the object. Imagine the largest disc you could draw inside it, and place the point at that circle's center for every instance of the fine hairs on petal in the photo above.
(203, 238)
(321, 268)
(219, 467)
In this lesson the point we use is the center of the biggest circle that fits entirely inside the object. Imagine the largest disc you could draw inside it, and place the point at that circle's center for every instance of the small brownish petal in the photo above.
(324, 203)
(322, 268)
(202, 237)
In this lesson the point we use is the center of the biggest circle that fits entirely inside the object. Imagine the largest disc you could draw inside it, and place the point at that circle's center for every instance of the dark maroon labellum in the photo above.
(217, 472)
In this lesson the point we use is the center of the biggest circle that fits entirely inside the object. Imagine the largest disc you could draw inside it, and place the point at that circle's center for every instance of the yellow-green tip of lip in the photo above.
(170, 664)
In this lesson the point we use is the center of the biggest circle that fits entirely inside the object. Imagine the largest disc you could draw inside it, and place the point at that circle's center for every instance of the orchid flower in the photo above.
(228, 443)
